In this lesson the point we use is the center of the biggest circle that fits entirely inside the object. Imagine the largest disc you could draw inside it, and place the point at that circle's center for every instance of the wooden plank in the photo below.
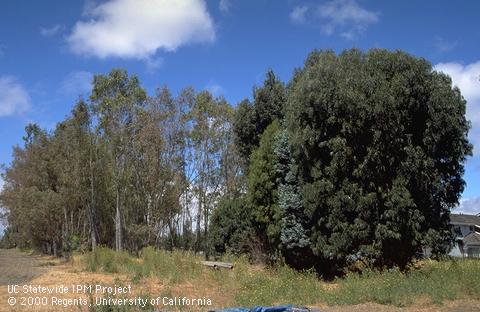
(216, 265)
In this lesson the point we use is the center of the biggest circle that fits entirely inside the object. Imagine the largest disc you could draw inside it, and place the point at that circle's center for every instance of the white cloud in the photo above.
(344, 17)
(52, 30)
(153, 63)
(140, 28)
(469, 206)
(77, 83)
(88, 7)
(14, 99)
(467, 79)
(224, 5)
(298, 14)
(443, 45)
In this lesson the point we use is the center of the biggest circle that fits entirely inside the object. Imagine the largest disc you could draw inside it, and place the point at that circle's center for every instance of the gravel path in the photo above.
(17, 267)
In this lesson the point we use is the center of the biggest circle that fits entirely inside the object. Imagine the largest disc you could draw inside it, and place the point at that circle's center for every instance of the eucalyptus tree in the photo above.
(159, 176)
(117, 99)
(74, 144)
(209, 118)
(230, 159)
(30, 193)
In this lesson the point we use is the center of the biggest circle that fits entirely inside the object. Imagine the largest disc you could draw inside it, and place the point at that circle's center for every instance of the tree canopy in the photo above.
(380, 140)
(359, 157)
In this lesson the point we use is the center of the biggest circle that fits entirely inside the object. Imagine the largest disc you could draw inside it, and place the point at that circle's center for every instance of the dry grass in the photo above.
(433, 286)
(428, 283)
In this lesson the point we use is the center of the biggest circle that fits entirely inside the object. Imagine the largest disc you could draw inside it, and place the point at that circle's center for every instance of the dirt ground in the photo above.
(22, 269)
(17, 267)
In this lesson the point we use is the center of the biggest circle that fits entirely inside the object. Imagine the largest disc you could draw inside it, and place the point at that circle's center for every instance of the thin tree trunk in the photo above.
(93, 227)
(91, 208)
(205, 232)
(118, 227)
(198, 229)
(55, 252)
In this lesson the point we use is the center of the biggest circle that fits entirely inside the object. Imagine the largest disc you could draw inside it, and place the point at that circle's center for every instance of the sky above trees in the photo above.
(50, 50)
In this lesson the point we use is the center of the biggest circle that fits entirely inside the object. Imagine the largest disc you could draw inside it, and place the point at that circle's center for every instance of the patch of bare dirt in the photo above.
(17, 267)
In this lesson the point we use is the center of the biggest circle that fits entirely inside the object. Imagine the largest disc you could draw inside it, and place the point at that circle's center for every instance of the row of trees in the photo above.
(358, 158)
(124, 170)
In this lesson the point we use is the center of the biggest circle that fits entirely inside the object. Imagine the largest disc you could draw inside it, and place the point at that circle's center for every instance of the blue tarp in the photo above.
(284, 308)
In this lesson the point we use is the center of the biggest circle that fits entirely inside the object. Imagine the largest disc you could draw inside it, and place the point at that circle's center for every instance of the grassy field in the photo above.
(246, 285)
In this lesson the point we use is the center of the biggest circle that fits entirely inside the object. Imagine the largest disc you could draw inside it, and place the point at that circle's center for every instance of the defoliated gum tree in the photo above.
(117, 99)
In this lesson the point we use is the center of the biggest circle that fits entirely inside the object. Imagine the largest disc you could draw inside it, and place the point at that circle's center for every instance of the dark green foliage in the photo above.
(380, 140)
(294, 237)
(263, 190)
(268, 102)
(244, 129)
(253, 118)
(231, 226)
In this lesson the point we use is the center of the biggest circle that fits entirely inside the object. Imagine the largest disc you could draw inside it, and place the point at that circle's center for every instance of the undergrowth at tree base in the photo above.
(249, 285)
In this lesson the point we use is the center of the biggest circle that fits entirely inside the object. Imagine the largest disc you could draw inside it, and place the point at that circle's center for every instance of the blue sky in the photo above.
(49, 50)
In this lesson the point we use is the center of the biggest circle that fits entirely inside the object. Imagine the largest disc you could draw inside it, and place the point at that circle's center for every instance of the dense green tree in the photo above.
(380, 141)
(269, 100)
(244, 129)
(263, 193)
(231, 227)
(294, 232)
(253, 118)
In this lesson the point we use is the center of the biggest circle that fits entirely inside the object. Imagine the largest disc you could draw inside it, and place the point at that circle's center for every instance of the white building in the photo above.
(467, 235)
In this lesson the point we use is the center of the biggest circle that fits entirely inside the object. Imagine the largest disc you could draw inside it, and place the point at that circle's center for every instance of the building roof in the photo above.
(465, 219)
(472, 239)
